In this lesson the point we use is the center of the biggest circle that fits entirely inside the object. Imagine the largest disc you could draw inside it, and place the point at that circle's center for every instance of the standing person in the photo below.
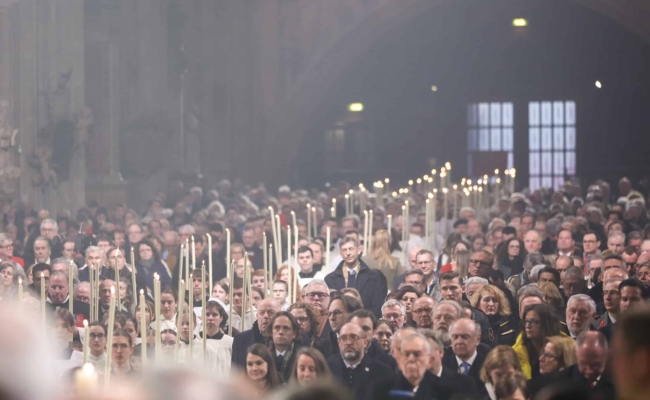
(260, 369)
(217, 340)
(352, 272)
(379, 257)
(491, 300)
(317, 294)
(97, 346)
(499, 362)
(352, 368)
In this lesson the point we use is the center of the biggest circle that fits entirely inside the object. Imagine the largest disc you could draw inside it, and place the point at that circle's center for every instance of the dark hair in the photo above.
(99, 324)
(222, 312)
(591, 233)
(631, 282)
(292, 320)
(170, 290)
(632, 328)
(313, 316)
(509, 230)
(216, 227)
(124, 333)
(414, 272)
(258, 349)
(64, 314)
(350, 304)
(448, 276)
(147, 242)
(304, 249)
(551, 270)
(460, 221)
(502, 253)
(40, 267)
(364, 314)
(549, 324)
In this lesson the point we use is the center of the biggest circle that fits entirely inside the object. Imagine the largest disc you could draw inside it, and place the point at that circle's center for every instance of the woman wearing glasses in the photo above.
(559, 353)
(539, 322)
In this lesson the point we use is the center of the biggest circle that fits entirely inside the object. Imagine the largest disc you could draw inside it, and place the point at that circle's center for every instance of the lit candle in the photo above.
(156, 295)
(362, 199)
(20, 293)
(143, 328)
(86, 341)
(193, 254)
(390, 225)
(86, 382)
(347, 204)
(71, 290)
(445, 210)
(289, 264)
(268, 277)
(109, 343)
(433, 217)
(327, 249)
(278, 248)
(403, 235)
(117, 280)
(134, 286)
(427, 216)
(228, 249)
(313, 213)
(456, 210)
(334, 208)
(266, 264)
(210, 258)
(43, 319)
(181, 294)
(203, 310)
(293, 215)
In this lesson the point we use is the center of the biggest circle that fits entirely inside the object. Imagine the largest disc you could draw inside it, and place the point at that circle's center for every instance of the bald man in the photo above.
(266, 309)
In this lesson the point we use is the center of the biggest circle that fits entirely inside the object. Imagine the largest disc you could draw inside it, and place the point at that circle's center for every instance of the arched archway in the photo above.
(291, 119)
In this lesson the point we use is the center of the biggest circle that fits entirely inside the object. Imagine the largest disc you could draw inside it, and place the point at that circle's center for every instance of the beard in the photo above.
(445, 337)
(351, 355)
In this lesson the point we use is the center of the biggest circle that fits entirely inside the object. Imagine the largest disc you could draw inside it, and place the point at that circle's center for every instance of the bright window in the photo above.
(490, 128)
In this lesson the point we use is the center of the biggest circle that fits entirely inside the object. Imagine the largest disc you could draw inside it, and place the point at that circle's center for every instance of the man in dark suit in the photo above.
(58, 296)
(284, 332)
(466, 354)
(354, 273)
(266, 309)
(368, 323)
(590, 371)
(353, 368)
(413, 379)
(452, 380)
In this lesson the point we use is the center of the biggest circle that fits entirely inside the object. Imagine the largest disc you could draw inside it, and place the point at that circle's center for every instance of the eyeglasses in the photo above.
(589, 242)
(336, 313)
(349, 338)
(97, 336)
(314, 295)
(532, 322)
(472, 261)
(423, 310)
(548, 355)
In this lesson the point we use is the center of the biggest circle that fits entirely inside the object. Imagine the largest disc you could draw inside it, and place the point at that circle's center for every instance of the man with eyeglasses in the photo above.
(266, 309)
(353, 368)
(480, 265)
(352, 272)
(423, 312)
(394, 312)
(317, 294)
(367, 321)
(97, 346)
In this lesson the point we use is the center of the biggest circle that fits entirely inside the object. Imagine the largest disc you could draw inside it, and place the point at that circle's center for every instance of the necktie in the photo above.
(352, 278)
(279, 360)
(350, 376)
(464, 368)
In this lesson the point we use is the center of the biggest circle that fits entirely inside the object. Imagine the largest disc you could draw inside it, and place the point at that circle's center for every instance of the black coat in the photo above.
(284, 370)
(449, 361)
(365, 376)
(430, 388)
(322, 345)
(370, 283)
(457, 383)
(378, 354)
(503, 330)
(242, 342)
(81, 310)
(604, 388)
(480, 318)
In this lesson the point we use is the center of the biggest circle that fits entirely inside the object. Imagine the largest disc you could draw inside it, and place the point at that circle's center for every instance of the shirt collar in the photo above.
(470, 360)
(353, 366)
(278, 353)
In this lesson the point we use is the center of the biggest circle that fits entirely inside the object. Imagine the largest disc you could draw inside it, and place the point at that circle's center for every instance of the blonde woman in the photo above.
(499, 362)
(380, 258)
(493, 302)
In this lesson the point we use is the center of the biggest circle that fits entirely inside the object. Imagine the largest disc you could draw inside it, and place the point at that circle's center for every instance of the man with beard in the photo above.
(352, 368)
(423, 312)
(446, 313)
(266, 309)
(367, 321)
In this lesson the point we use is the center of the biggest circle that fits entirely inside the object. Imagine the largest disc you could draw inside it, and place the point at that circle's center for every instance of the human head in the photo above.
(280, 291)
(616, 242)
(49, 228)
(425, 263)
(590, 242)
(632, 293)
(283, 330)
(41, 249)
(499, 361)
(415, 355)
(305, 259)
(260, 366)
(310, 366)
(339, 309)
(549, 274)
(491, 300)
(565, 241)
(474, 284)
(444, 314)
(266, 309)
(631, 352)
(465, 336)
(573, 281)
(559, 352)
(350, 250)
(580, 313)
(422, 312)
(451, 287)
(58, 288)
(480, 264)
(539, 322)
(352, 343)
(384, 334)
(317, 294)
(591, 354)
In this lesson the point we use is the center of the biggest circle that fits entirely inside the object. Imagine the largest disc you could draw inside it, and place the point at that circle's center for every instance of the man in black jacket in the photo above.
(284, 332)
(368, 323)
(354, 273)
(444, 376)
(59, 297)
(352, 368)
(266, 309)
(466, 354)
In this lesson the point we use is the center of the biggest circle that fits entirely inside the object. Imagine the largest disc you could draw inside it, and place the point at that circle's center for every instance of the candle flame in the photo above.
(496, 171)
(88, 369)
(85, 323)
(20, 281)
(410, 181)
(387, 180)
(448, 165)
(141, 292)
(445, 190)
(419, 181)
(112, 290)
(156, 276)
(455, 187)
(42, 275)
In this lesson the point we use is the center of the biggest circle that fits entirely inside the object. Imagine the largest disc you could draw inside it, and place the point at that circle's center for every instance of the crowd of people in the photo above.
(526, 295)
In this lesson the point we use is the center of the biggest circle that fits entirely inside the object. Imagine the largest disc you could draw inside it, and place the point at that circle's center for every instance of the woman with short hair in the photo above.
(310, 367)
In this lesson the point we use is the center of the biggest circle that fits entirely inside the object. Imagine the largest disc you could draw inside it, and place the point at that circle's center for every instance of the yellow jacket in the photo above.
(522, 354)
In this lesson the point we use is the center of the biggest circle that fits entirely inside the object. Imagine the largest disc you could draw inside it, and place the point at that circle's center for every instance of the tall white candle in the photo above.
(327, 249)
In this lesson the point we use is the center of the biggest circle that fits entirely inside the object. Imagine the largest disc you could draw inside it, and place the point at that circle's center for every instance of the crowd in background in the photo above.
(529, 294)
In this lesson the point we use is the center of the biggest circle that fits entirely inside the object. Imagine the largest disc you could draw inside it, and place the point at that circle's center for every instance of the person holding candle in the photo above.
(260, 369)
(62, 328)
(221, 291)
(266, 309)
(58, 296)
(149, 316)
(308, 270)
(168, 307)
(148, 263)
(216, 319)
(97, 345)
(121, 352)
(38, 270)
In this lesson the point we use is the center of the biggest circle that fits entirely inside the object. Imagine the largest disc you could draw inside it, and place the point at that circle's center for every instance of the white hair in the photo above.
(394, 303)
(51, 221)
(316, 281)
(476, 280)
(188, 229)
(582, 297)
(535, 271)
(616, 233)
(477, 327)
